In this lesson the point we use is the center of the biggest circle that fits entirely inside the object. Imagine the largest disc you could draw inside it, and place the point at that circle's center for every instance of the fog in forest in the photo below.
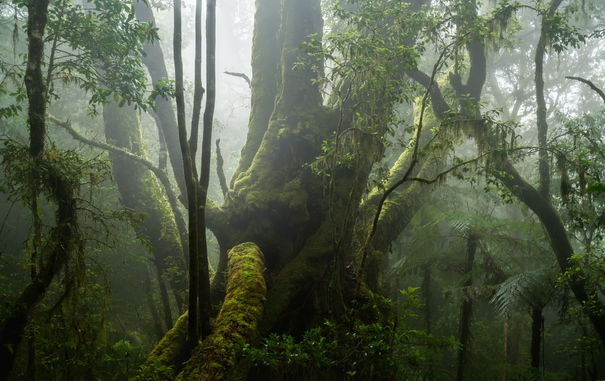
(302, 190)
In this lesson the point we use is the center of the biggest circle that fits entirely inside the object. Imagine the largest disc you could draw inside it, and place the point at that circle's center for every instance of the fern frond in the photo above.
(531, 289)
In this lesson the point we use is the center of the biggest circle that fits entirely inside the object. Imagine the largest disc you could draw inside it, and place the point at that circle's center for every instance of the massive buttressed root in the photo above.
(238, 320)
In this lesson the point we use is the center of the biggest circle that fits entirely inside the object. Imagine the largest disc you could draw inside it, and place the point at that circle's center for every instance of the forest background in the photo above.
(449, 149)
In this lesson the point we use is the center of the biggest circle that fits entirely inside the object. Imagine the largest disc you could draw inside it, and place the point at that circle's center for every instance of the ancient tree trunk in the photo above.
(265, 60)
(140, 190)
(238, 320)
(275, 203)
(302, 227)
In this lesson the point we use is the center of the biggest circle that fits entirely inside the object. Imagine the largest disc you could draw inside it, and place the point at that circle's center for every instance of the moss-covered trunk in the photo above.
(276, 201)
(139, 190)
(237, 323)
(172, 351)
(238, 320)
(45, 176)
(62, 243)
(37, 17)
(303, 228)
(265, 62)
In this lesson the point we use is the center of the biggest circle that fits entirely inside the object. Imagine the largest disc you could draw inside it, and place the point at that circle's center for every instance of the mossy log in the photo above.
(238, 320)
(172, 349)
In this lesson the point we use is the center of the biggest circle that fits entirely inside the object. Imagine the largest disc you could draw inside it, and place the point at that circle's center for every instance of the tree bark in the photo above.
(37, 17)
(266, 54)
(543, 159)
(190, 182)
(156, 65)
(205, 306)
(536, 336)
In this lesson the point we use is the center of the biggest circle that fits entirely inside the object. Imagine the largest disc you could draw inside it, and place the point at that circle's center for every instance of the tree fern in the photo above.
(534, 289)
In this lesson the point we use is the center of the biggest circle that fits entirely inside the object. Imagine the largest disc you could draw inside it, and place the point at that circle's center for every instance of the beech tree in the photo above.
(298, 191)
(312, 207)
(304, 222)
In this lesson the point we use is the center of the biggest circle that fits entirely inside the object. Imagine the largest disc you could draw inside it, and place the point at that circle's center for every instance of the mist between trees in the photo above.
(302, 190)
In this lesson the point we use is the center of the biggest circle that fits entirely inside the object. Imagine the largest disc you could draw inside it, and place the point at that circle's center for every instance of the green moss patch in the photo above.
(238, 320)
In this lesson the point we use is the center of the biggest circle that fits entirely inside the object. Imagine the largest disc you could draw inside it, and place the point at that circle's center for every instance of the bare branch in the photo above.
(592, 86)
(241, 75)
